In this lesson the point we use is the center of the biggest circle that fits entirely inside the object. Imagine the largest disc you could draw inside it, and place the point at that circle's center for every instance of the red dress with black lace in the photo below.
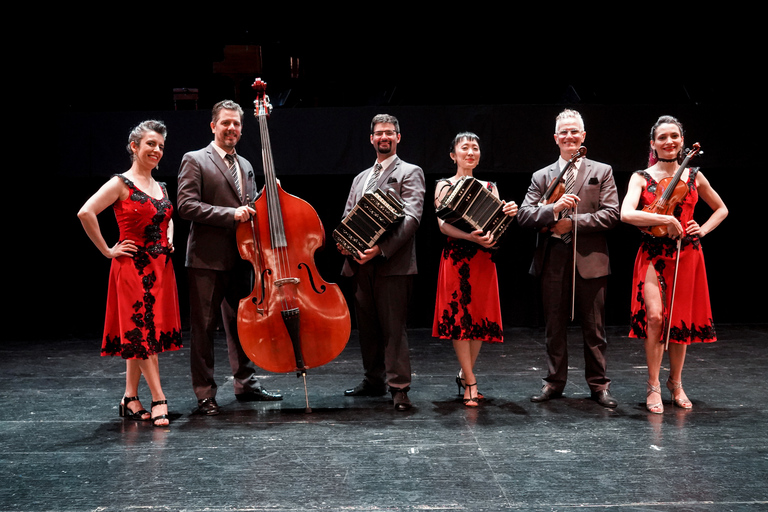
(142, 302)
(467, 303)
(691, 314)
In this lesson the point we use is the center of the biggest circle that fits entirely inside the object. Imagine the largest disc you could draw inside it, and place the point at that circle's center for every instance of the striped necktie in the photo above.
(235, 174)
(374, 179)
(569, 180)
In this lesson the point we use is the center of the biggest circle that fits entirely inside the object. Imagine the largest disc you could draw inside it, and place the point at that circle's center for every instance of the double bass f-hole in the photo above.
(258, 301)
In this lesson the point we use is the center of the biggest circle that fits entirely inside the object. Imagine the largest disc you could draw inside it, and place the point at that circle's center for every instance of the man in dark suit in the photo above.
(214, 183)
(383, 274)
(583, 215)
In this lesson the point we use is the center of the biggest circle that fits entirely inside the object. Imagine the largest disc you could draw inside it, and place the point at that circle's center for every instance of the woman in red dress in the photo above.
(142, 317)
(654, 272)
(467, 318)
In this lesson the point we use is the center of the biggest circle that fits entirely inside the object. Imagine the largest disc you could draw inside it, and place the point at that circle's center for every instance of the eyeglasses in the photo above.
(388, 133)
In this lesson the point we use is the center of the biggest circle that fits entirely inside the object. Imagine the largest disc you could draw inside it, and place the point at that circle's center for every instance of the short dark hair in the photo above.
(461, 136)
(228, 105)
(385, 118)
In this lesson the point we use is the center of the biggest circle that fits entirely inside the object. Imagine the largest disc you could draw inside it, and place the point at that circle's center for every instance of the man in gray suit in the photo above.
(383, 274)
(214, 183)
(596, 204)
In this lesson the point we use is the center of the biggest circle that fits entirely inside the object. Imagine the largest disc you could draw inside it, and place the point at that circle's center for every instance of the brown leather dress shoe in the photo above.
(207, 407)
(400, 399)
(547, 393)
(604, 398)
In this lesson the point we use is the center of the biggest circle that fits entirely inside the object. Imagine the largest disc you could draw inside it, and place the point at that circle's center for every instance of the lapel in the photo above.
(223, 168)
(386, 173)
(585, 169)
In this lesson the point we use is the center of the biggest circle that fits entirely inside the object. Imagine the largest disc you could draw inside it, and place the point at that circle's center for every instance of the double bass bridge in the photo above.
(287, 280)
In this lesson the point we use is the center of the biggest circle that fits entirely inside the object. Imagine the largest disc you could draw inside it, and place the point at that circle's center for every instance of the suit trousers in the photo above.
(381, 306)
(215, 294)
(556, 279)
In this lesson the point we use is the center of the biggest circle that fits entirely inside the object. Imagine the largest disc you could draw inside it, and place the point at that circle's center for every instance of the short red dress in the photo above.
(691, 314)
(467, 303)
(142, 302)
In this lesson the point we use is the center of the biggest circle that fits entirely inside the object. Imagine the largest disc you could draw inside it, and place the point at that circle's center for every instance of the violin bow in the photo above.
(672, 301)
(573, 274)
(580, 153)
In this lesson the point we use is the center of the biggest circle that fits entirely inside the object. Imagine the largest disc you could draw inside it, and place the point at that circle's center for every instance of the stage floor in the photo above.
(64, 448)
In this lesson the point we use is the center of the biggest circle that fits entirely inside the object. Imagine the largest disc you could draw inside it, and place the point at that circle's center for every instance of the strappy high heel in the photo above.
(672, 386)
(656, 408)
(472, 401)
(125, 412)
(460, 383)
(162, 416)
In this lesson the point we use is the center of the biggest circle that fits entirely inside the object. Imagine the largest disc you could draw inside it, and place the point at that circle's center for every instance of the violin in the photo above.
(670, 192)
(293, 320)
(556, 187)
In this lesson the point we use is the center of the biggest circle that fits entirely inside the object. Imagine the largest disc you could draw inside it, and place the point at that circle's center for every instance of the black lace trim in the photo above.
(131, 346)
(460, 253)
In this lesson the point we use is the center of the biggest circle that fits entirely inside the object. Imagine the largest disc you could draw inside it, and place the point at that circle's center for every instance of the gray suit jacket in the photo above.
(208, 198)
(598, 211)
(398, 245)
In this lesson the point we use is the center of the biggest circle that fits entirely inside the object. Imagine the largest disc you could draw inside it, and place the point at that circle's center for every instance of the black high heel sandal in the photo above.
(472, 401)
(162, 416)
(461, 385)
(125, 412)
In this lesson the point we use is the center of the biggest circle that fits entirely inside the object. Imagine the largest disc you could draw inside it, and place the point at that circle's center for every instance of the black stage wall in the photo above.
(62, 279)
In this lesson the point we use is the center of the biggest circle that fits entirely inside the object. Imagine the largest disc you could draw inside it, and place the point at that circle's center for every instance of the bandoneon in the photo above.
(471, 206)
(369, 219)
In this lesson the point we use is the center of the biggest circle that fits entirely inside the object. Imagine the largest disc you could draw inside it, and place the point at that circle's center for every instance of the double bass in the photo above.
(293, 320)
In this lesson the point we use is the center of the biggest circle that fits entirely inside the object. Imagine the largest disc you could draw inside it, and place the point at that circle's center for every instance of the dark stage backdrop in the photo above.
(62, 279)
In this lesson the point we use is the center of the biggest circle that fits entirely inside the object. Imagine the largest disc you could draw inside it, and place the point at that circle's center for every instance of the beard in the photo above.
(384, 148)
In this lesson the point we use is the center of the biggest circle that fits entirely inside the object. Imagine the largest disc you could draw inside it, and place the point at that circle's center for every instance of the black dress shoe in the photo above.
(258, 395)
(207, 407)
(604, 398)
(365, 389)
(400, 399)
(547, 393)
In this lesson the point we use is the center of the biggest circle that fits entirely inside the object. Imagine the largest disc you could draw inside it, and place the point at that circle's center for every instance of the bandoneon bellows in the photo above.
(369, 219)
(471, 206)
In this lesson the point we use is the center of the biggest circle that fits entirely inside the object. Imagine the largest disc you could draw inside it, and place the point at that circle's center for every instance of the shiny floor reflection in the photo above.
(65, 449)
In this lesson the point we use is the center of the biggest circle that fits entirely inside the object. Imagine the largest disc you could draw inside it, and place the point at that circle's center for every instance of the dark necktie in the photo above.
(235, 174)
(569, 179)
(374, 179)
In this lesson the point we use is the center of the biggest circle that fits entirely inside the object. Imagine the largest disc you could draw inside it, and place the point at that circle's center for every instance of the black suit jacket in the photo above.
(597, 212)
(207, 196)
